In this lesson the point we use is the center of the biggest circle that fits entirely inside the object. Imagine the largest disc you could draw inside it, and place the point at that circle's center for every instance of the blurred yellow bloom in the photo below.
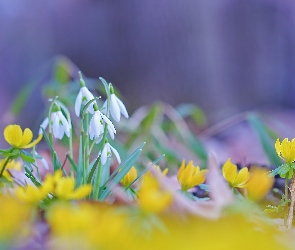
(129, 177)
(14, 219)
(151, 198)
(259, 184)
(76, 226)
(11, 165)
(233, 177)
(17, 138)
(286, 150)
(31, 194)
(64, 187)
(189, 176)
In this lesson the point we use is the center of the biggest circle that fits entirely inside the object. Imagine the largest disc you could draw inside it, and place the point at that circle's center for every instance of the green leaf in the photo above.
(27, 158)
(72, 163)
(265, 140)
(80, 167)
(116, 176)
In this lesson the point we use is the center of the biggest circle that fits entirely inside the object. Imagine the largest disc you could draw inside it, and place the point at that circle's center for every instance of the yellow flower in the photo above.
(151, 198)
(233, 177)
(286, 150)
(159, 171)
(17, 138)
(259, 184)
(129, 177)
(64, 188)
(11, 165)
(190, 175)
(31, 194)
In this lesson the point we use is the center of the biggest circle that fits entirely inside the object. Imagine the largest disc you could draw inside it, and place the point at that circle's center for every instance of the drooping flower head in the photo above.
(117, 107)
(83, 97)
(107, 152)
(189, 175)
(17, 138)
(60, 125)
(286, 150)
(96, 127)
(234, 177)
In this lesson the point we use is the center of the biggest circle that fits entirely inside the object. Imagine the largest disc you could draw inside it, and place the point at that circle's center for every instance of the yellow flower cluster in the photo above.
(286, 150)
(189, 175)
(56, 185)
(152, 198)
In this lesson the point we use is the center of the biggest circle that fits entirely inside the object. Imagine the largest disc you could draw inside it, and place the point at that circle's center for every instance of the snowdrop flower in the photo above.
(107, 152)
(117, 107)
(83, 97)
(96, 128)
(60, 124)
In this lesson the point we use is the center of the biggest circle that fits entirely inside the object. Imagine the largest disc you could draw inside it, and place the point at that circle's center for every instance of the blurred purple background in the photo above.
(225, 55)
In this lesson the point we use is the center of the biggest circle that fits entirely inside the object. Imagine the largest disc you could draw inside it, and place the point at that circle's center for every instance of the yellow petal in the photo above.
(278, 147)
(181, 169)
(27, 137)
(242, 178)
(13, 135)
(229, 171)
(64, 188)
(81, 192)
(33, 143)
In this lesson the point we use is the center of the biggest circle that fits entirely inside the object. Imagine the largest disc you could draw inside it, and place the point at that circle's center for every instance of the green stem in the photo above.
(4, 166)
(86, 145)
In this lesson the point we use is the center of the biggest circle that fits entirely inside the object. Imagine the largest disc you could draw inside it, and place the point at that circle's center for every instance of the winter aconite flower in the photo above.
(17, 138)
(117, 107)
(152, 198)
(286, 150)
(259, 184)
(64, 187)
(129, 177)
(83, 97)
(234, 177)
(107, 152)
(31, 194)
(189, 176)
(96, 127)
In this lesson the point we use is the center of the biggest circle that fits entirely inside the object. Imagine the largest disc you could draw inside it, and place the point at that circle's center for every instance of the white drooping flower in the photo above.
(83, 97)
(107, 152)
(60, 125)
(117, 107)
(96, 127)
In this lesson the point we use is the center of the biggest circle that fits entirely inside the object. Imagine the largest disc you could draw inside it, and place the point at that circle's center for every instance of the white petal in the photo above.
(122, 107)
(55, 125)
(116, 154)
(44, 162)
(104, 107)
(104, 154)
(89, 96)
(111, 127)
(43, 125)
(78, 103)
(114, 108)
(65, 123)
